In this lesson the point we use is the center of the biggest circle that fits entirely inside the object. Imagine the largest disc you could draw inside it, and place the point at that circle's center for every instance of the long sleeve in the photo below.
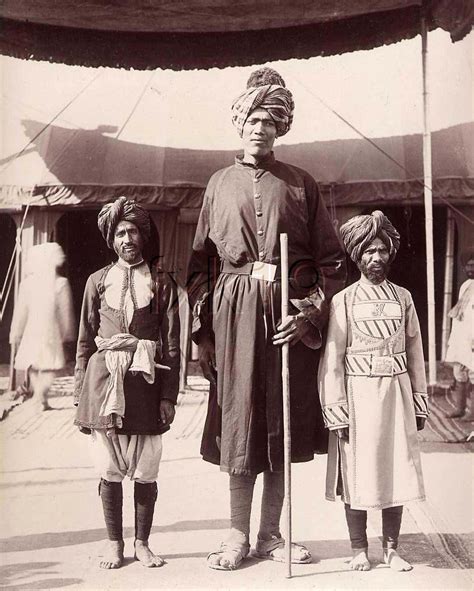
(88, 327)
(331, 375)
(415, 360)
(203, 270)
(168, 304)
(330, 262)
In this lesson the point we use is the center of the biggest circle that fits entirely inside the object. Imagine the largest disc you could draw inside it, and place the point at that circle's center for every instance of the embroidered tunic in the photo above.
(131, 299)
(372, 379)
(245, 209)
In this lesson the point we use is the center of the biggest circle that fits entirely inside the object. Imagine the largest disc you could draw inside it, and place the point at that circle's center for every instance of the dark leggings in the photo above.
(357, 524)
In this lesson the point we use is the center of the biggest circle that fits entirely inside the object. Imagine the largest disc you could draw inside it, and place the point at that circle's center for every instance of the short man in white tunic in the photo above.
(373, 391)
(460, 352)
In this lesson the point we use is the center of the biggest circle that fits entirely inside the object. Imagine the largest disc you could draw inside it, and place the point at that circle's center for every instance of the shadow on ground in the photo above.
(17, 576)
(71, 538)
(416, 548)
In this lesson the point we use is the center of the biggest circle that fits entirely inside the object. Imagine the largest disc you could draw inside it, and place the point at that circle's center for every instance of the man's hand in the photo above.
(420, 423)
(207, 359)
(343, 433)
(292, 329)
(167, 412)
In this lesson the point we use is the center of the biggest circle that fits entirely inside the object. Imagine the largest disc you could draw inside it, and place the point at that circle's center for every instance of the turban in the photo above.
(466, 256)
(265, 90)
(361, 230)
(122, 210)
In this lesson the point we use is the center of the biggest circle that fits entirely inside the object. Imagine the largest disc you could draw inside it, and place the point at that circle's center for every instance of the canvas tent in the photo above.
(188, 34)
(150, 34)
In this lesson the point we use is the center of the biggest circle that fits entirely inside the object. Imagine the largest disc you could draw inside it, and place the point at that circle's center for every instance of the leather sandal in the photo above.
(266, 549)
(237, 552)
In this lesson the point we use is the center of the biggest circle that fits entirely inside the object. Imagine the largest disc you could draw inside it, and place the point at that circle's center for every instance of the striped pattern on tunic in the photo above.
(377, 311)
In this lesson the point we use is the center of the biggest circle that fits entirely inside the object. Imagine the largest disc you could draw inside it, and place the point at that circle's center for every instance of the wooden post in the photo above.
(16, 270)
(448, 282)
(286, 403)
(428, 201)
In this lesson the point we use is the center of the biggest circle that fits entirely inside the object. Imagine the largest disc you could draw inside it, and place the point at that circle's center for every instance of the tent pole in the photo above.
(448, 281)
(12, 373)
(428, 201)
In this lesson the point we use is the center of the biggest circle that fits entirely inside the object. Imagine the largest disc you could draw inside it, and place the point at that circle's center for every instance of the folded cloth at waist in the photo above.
(302, 271)
(124, 352)
(367, 364)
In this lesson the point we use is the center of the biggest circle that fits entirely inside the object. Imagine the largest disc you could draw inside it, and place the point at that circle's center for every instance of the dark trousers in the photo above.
(357, 524)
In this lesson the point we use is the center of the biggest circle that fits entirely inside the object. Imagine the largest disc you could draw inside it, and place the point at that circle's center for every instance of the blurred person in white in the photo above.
(43, 319)
(460, 345)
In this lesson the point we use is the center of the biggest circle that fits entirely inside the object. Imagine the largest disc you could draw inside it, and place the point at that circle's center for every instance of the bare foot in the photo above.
(146, 556)
(360, 560)
(114, 555)
(395, 561)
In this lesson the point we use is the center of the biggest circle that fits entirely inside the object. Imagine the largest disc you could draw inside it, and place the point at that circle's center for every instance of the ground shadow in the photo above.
(13, 576)
(417, 548)
(71, 538)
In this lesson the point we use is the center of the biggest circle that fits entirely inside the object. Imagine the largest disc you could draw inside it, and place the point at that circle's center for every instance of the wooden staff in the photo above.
(285, 374)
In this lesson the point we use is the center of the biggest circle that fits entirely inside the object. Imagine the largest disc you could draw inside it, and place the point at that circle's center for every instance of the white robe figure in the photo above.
(372, 380)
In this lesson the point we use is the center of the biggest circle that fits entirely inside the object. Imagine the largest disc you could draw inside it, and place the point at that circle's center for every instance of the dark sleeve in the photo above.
(88, 329)
(203, 271)
(168, 305)
(330, 262)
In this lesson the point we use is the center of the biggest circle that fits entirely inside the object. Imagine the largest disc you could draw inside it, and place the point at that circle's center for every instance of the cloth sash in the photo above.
(124, 352)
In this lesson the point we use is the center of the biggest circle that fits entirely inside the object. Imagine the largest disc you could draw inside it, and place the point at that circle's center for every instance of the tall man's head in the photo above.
(125, 226)
(263, 112)
(372, 243)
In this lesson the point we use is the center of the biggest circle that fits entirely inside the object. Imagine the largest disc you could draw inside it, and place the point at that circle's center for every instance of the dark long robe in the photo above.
(245, 209)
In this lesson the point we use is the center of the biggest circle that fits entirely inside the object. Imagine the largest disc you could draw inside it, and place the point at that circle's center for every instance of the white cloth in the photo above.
(128, 287)
(380, 465)
(124, 352)
(460, 344)
(42, 321)
(135, 456)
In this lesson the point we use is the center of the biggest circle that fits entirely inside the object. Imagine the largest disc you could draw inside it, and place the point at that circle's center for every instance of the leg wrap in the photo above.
(357, 524)
(391, 521)
(272, 504)
(112, 497)
(241, 493)
(145, 496)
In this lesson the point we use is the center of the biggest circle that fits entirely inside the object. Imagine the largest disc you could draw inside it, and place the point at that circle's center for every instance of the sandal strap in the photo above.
(242, 549)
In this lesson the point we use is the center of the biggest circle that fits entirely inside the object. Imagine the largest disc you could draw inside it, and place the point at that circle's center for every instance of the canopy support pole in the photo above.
(428, 201)
(448, 282)
(16, 270)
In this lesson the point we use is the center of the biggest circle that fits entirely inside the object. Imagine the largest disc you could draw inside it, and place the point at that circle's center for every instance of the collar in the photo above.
(263, 164)
(363, 279)
(124, 265)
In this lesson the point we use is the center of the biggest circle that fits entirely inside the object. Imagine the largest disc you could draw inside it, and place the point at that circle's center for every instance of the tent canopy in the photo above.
(186, 34)
(81, 167)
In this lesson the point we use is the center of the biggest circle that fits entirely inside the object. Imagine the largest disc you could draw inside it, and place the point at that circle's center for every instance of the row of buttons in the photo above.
(258, 213)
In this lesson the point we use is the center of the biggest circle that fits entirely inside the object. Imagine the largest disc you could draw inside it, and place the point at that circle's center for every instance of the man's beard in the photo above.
(376, 273)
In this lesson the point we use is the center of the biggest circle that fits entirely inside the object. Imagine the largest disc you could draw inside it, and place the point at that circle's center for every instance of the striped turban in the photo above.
(361, 230)
(122, 210)
(265, 90)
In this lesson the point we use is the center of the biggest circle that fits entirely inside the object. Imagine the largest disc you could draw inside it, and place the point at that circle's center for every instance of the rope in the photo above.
(145, 88)
(18, 154)
(377, 147)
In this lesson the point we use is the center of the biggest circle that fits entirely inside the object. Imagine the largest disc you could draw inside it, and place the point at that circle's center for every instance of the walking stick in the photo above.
(285, 374)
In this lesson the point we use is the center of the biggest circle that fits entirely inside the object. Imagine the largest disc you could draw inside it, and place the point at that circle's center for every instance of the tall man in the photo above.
(237, 322)
(373, 391)
(129, 320)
